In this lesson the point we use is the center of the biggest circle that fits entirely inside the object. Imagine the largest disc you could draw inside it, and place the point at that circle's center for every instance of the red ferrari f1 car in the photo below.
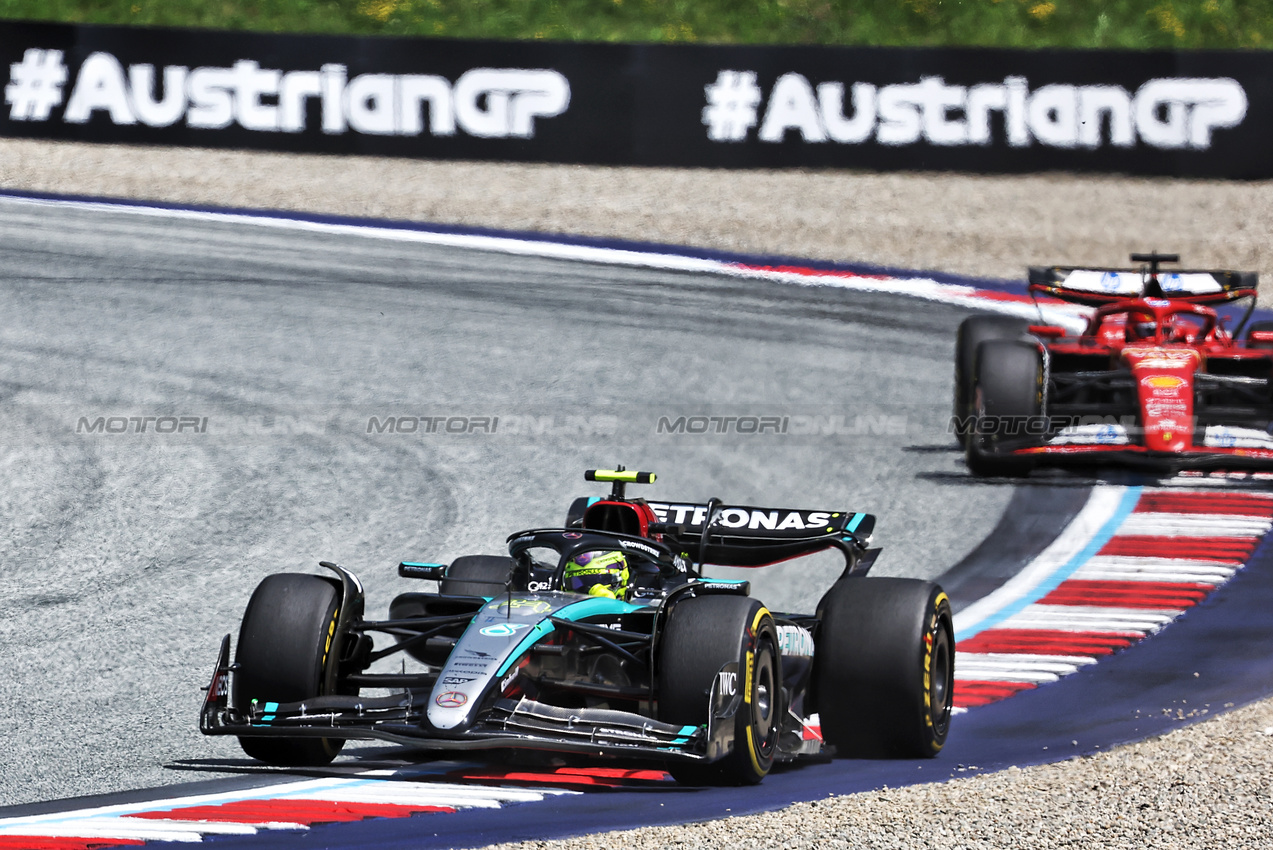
(1158, 379)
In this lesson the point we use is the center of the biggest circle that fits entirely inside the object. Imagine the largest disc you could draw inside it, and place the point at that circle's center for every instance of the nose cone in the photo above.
(1170, 436)
(481, 654)
(1164, 387)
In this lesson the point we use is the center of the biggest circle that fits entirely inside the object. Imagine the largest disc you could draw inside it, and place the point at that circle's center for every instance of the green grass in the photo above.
(1003, 23)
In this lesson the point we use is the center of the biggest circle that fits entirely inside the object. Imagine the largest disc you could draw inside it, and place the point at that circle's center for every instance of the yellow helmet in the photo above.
(597, 574)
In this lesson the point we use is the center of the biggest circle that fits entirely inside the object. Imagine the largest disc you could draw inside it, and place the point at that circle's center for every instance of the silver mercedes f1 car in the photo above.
(603, 637)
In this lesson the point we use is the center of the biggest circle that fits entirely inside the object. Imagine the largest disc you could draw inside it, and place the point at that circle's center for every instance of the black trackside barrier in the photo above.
(1196, 114)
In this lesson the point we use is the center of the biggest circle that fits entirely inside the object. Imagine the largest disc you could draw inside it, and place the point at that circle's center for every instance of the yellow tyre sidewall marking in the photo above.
(322, 671)
(751, 663)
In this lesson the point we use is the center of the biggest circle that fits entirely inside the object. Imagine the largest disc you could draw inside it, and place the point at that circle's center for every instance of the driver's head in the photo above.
(597, 574)
(1140, 328)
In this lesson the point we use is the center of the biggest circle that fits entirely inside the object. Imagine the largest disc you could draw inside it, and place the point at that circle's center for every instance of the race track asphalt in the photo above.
(268, 354)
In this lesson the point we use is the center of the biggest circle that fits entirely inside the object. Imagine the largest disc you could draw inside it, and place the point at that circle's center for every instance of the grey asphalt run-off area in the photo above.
(257, 358)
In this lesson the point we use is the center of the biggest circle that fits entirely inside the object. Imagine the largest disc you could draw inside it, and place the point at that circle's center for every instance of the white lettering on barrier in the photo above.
(1170, 114)
(483, 102)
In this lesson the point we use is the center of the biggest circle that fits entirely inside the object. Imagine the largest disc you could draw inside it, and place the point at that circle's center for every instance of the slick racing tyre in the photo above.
(884, 668)
(701, 636)
(283, 652)
(477, 575)
(1008, 400)
(973, 331)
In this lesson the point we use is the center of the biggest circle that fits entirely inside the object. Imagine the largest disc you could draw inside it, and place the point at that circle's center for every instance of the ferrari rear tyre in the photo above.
(282, 656)
(884, 668)
(702, 635)
(973, 331)
(1008, 401)
(477, 575)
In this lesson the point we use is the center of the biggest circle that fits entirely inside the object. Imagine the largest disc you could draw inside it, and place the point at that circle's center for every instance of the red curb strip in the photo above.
(1136, 583)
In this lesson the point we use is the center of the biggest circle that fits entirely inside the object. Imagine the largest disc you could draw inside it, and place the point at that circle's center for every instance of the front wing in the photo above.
(1138, 456)
(505, 724)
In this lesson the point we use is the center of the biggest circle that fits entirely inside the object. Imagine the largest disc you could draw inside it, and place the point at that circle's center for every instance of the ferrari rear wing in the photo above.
(1095, 286)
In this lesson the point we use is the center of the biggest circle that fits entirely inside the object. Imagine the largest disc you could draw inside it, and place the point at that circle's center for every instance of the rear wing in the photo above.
(744, 536)
(1096, 286)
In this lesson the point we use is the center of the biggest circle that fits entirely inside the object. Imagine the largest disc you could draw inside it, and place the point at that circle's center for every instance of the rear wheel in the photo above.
(477, 575)
(1008, 401)
(973, 331)
(702, 635)
(282, 656)
(884, 667)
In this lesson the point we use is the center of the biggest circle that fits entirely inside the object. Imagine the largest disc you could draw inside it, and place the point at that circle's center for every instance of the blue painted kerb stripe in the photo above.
(1125, 506)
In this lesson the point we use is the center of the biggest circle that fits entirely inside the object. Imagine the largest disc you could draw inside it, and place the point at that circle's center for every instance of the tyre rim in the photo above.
(763, 701)
(764, 706)
(940, 691)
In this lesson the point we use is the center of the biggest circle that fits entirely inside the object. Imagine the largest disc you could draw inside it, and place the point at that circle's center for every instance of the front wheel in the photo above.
(973, 331)
(702, 635)
(282, 656)
(884, 667)
(1008, 403)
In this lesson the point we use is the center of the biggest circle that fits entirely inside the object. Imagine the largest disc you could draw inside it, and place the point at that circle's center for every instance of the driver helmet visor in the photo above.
(585, 571)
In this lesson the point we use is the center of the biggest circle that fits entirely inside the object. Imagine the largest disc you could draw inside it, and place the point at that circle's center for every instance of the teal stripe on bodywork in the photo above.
(532, 637)
(686, 733)
(270, 707)
(592, 606)
(855, 522)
